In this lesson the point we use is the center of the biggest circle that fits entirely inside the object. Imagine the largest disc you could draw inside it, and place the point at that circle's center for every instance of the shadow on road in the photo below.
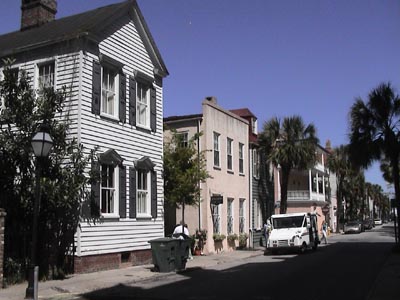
(341, 269)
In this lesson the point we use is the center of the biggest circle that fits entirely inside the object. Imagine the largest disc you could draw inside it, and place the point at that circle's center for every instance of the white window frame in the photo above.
(257, 214)
(2, 102)
(242, 216)
(41, 64)
(184, 141)
(216, 149)
(230, 217)
(143, 107)
(256, 163)
(143, 206)
(241, 158)
(108, 73)
(113, 189)
(229, 154)
(254, 125)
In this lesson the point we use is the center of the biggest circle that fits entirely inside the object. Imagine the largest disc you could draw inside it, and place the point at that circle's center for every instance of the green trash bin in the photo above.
(164, 254)
(182, 253)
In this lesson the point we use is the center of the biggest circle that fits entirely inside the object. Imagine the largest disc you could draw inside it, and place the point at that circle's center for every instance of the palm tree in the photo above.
(375, 131)
(338, 163)
(290, 145)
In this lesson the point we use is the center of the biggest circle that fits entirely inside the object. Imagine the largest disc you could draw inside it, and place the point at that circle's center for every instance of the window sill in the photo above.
(109, 216)
(242, 174)
(143, 216)
(230, 172)
(217, 168)
(109, 117)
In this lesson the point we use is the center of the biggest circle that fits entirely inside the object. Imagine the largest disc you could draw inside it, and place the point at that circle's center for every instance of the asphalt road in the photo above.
(346, 268)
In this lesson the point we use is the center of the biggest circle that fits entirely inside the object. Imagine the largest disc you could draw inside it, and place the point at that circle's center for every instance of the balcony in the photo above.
(304, 195)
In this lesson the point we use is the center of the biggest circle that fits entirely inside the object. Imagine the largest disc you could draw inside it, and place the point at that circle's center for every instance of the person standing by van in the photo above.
(267, 230)
(324, 229)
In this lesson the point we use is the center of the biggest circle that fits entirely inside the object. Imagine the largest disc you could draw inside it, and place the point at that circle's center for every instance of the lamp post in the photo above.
(41, 144)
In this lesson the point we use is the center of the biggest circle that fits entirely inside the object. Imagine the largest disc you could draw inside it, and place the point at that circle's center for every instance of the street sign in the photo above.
(216, 199)
(325, 209)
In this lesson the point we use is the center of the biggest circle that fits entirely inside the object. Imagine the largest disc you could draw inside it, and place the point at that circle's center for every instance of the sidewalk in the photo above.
(83, 283)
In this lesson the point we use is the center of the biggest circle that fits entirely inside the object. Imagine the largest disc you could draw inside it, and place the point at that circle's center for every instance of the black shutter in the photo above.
(153, 110)
(122, 98)
(122, 192)
(96, 88)
(154, 194)
(132, 193)
(132, 101)
(96, 188)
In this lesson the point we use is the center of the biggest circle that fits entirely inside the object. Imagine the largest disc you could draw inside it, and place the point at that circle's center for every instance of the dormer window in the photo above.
(254, 125)
(109, 91)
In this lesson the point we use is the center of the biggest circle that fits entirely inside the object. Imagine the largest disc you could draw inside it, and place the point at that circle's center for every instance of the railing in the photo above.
(301, 195)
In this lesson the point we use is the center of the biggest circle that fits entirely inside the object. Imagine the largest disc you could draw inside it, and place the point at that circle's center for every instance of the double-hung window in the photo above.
(183, 139)
(229, 146)
(230, 216)
(143, 104)
(216, 217)
(241, 157)
(242, 219)
(109, 92)
(109, 189)
(256, 163)
(216, 150)
(46, 75)
(143, 194)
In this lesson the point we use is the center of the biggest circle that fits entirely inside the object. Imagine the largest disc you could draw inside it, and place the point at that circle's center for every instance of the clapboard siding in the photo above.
(124, 45)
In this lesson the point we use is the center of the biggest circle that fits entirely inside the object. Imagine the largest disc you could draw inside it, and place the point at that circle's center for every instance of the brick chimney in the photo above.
(37, 12)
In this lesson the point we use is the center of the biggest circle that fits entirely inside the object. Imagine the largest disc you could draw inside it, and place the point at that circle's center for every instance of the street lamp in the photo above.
(41, 144)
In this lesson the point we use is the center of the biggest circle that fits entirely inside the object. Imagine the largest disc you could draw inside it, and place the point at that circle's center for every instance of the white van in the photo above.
(297, 231)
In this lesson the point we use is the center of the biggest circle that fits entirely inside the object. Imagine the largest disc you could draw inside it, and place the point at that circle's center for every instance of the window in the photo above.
(109, 92)
(109, 190)
(229, 143)
(216, 150)
(256, 163)
(143, 193)
(230, 216)
(216, 218)
(241, 153)
(241, 216)
(257, 214)
(254, 125)
(46, 76)
(143, 104)
(14, 72)
(183, 140)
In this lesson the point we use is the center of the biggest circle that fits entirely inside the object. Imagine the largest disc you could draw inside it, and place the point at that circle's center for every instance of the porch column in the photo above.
(316, 177)
(310, 183)
(323, 186)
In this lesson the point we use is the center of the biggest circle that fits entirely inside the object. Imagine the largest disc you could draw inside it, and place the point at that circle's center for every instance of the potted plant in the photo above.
(218, 237)
(201, 238)
(243, 240)
(232, 238)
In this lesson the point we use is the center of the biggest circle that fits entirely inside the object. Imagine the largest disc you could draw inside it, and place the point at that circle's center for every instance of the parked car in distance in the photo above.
(378, 221)
(368, 224)
(353, 227)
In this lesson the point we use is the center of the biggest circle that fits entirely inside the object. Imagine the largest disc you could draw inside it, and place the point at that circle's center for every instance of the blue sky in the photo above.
(277, 58)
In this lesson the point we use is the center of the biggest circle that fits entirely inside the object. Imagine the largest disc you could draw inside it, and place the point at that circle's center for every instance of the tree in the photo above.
(184, 170)
(63, 180)
(338, 163)
(289, 145)
(375, 132)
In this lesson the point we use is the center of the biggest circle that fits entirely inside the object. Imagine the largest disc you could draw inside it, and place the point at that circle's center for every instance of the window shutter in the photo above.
(153, 110)
(122, 192)
(96, 186)
(122, 98)
(132, 193)
(96, 88)
(132, 101)
(154, 194)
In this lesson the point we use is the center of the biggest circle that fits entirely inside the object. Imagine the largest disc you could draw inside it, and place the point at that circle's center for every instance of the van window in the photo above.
(288, 222)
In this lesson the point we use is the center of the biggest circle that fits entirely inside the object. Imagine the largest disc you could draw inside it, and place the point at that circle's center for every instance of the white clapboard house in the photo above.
(109, 60)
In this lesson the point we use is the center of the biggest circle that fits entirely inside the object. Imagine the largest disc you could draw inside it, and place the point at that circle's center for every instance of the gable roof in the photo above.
(87, 25)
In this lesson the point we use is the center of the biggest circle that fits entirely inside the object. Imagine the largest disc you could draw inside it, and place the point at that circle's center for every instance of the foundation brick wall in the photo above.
(2, 223)
(94, 263)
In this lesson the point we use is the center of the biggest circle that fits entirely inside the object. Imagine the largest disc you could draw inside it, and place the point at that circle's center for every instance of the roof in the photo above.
(89, 25)
(243, 112)
(182, 118)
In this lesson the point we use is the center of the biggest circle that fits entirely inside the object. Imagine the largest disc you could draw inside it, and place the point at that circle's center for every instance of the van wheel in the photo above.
(303, 248)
